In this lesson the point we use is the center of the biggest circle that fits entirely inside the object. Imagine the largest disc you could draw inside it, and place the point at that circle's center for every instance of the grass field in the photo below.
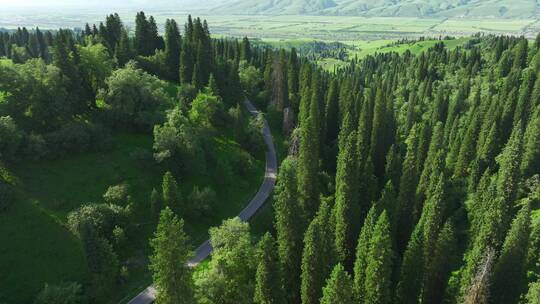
(330, 28)
(40, 249)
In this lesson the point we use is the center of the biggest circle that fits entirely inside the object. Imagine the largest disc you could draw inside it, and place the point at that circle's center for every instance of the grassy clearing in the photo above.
(41, 249)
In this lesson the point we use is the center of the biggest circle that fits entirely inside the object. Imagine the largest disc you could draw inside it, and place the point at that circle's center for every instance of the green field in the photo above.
(40, 249)
(329, 28)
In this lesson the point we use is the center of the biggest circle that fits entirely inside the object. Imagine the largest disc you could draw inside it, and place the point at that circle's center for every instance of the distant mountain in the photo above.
(385, 8)
(276, 7)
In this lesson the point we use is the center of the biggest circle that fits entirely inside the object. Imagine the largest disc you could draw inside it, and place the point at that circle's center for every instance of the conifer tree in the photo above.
(186, 61)
(171, 251)
(308, 158)
(124, 51)
(172, 49)
(346, 208)
(379, 264)
(407, 189)
(440, 266)
(510, 274)
(362, 254)
(170, 192)
(312, 264)
(268, 289)
(338, 289)
(288, 225)
(531, 154)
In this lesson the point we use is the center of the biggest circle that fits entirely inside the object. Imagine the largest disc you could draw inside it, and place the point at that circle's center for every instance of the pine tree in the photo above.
(171, 251)
(531, 154)
(172, 50)
(170, 193)
(312, 264)
(186, 61)
(268, 289)
(338, 289)
(510, 273)
(407, 190)
(288, 224)
(308, 159)
(142, 41)
(379, 264)
(346, 208)
(124, 51)
(439, 269)
(412, 268)
(362, 254)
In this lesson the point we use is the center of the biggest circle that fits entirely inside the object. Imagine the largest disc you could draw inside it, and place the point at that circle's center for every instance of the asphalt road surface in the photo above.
(148, 295)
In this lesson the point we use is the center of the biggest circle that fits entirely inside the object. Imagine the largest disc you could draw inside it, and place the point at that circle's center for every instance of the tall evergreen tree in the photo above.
(268, 288)
(510, 274)
(379, 264)
(172, 276)
(172, 50)
(170, 192)
(338, 289)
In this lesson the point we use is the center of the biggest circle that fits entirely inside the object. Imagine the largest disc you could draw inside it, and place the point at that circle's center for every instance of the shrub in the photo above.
(117, 194)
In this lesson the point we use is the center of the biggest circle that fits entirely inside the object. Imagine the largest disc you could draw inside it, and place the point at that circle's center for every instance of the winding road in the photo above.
(148, 295)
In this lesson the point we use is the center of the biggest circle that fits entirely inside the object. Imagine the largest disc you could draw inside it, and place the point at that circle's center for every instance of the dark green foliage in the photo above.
(170, 193)
(268, 288)
(67, 293)
(172, 49)
(509, 277)
(288, 225)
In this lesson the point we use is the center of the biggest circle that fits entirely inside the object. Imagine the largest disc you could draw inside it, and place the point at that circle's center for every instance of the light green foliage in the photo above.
(134, 96)
(338, 289)
(96, 64)
(206, 111)
(171, 251)
(230, 273)
(379, 264)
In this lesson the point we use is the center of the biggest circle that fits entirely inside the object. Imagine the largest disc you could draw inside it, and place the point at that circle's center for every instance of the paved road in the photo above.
(148, 295)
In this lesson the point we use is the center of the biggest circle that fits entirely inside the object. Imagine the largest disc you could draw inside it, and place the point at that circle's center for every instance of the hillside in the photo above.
(386, 8)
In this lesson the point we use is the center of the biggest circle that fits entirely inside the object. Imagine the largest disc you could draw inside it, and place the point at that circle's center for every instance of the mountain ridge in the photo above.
(384, 8)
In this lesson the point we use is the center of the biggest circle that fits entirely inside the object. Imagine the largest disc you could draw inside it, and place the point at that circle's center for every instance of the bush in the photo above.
(117, 194)
(66, 293)
(102, 217)
(35, 147)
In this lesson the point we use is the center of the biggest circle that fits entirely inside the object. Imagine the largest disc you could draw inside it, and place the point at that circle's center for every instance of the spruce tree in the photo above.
(338, 289)
(440, 266)
(346, 208)
(510, 272)
(170, 193)
(312, 264)
(362, 254)
(531, 154)
(172, 50)
(268, 288)
(171, 251)
(379, 264)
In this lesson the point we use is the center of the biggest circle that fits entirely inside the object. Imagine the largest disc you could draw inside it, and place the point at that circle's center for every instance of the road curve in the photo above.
(148, 295)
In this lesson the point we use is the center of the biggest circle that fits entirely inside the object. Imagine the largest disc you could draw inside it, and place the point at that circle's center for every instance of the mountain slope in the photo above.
(275, 7)
(386, 8)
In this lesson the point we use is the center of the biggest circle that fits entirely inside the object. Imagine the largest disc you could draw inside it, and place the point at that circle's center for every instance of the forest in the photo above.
(407, 178)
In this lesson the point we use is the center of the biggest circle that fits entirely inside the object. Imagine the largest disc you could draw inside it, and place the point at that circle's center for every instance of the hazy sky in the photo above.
(107, 3)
